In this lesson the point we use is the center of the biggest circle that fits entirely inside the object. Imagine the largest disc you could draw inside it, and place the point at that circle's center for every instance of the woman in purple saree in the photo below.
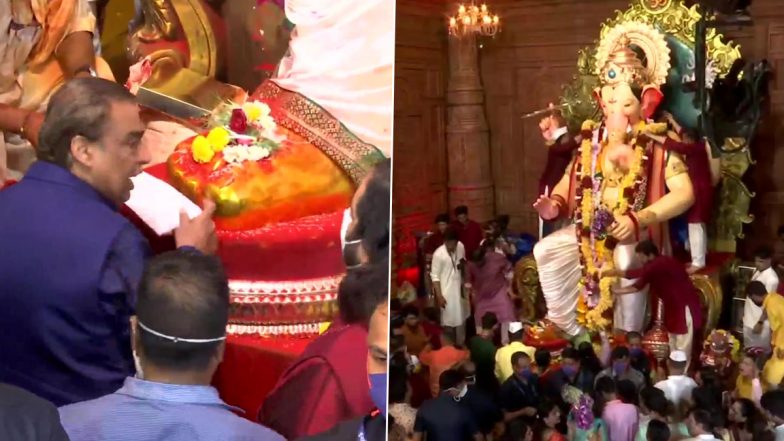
(490, 276)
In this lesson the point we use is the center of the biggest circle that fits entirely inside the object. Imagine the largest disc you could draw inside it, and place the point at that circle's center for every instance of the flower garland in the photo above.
(239, 133)
(593, 219)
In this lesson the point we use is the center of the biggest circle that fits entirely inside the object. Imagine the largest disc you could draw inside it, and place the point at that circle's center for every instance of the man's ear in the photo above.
(134, 332)
(81, 151)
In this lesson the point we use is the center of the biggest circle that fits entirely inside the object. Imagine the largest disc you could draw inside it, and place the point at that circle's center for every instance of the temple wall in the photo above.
(523, 69)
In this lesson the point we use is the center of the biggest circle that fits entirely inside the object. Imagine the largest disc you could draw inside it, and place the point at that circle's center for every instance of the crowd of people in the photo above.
(471, 375)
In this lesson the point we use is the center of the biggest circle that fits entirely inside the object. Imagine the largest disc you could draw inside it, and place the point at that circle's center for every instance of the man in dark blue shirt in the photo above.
(570, 373)
(443, 418)
(519, 395)
(71, 262)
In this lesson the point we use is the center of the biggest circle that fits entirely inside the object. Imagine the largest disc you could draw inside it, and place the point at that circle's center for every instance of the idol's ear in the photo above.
(651, 98)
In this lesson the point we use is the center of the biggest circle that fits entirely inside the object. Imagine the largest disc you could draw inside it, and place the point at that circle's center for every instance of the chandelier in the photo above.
(473, 19)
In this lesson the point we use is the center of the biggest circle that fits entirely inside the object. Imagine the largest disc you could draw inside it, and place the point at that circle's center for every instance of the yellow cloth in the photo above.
(743, 388)
(774, 368)
(503, 359)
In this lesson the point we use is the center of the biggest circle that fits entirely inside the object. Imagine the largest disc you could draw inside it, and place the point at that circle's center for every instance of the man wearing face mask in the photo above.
(443, 418)
(178, 339)
(321, 388)
(621, 369)
(570, 373)
(370, 427)
(640, 359)
(480, 405)
(520, 396)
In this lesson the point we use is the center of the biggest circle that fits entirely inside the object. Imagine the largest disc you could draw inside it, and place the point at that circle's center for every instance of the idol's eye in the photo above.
(612, 74)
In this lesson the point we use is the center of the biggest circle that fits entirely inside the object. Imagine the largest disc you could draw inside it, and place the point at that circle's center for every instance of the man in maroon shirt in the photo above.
(468, 232)
(668, 280)
(698, 161)
(561, 148)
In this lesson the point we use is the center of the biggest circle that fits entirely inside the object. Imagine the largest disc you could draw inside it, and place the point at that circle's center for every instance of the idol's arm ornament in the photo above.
(679, 198)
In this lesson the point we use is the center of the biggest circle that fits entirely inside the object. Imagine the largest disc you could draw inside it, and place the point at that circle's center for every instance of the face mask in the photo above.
(137, 362)
(471, 379)
(378, 391)
(461, 394)
(619, 367)
(570, 371)
(526, 373)
(636, 352)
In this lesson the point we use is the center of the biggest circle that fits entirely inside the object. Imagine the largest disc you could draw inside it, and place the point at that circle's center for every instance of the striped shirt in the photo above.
(145, 410)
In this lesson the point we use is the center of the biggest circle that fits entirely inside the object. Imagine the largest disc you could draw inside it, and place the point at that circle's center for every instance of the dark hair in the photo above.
(81, 107)
(397, 321)
(749, 411)
(516, 336)
(489, 320)
(756, 288)
(780, 231)
(763, 252)
(659, 404)
(588, 357)
(395, 305)
(398, 383)
(409, 310)
(502, 220)
(542, 357)
(627, 392)
(773, 402)
(658, 431)
(182, 294)
(450, 378)
(431, 313)
(443, 217)
(707, 398)
(372, 223)
(619, 352)
(570, 353)
(517, 356)
(606, 385)
(362, 290)
(709, 376)
(693, 134)
(647, 248)
(546, 408)
(461, 209)
(633, 334)
(647, 393)
(451, 235)
(703, 418)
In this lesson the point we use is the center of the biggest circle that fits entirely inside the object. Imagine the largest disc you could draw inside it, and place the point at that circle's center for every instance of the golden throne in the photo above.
(200, 49)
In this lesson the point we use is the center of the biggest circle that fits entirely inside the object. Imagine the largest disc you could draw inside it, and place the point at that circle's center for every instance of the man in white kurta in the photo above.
(752, 313)
(447, 276)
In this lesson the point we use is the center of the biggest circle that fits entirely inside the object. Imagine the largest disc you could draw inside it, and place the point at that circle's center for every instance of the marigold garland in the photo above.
(596, 247)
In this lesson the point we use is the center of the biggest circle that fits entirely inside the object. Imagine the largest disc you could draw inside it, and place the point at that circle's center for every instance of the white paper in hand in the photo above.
(159, 204)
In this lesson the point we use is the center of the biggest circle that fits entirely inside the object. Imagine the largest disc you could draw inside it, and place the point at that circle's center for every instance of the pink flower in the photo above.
(139, 73)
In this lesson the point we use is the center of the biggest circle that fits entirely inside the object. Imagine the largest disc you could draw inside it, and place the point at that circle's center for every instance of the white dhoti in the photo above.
(629, 309)
(684, 342)
(558, 264)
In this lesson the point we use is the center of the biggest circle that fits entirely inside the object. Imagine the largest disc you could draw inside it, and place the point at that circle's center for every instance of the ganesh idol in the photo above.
(620, 189)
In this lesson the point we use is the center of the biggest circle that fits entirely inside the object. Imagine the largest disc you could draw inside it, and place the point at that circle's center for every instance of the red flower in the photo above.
(239, 122)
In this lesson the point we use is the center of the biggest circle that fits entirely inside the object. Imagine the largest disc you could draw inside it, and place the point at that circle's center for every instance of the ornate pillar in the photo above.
(467, 134)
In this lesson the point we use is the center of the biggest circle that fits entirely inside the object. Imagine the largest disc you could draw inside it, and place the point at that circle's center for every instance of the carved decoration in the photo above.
(711, 298)
(527, 287)
(467, 134)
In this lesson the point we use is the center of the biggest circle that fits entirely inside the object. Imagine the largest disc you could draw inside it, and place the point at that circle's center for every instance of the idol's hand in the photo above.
(622, 229)
(547, 208)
